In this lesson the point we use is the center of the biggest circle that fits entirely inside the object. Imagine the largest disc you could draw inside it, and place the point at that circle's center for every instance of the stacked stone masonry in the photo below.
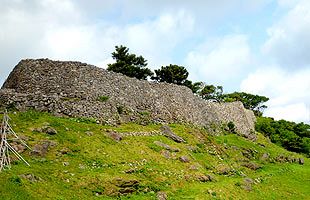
(74, 89)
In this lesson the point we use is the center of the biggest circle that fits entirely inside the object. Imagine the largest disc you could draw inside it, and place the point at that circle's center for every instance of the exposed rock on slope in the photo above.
(81, 90)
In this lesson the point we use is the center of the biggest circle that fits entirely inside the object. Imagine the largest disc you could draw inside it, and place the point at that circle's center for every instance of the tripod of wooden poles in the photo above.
(7, 132)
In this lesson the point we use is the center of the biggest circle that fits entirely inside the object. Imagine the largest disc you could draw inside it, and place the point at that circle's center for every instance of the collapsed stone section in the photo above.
(74, 89)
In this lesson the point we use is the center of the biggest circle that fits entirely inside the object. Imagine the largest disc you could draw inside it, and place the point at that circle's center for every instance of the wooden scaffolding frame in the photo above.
(6, 131)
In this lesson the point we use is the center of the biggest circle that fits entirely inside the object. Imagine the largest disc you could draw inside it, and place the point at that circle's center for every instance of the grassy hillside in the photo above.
(83, 162)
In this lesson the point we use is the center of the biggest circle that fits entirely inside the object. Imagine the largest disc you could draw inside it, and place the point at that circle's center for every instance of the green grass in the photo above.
(95, 161)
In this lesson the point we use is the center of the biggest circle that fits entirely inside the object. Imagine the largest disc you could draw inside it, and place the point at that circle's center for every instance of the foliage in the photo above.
(211, 92)
(129, 64)
(195, 87)
(171, 74)
(249, 101)
(231, 127)
(290, 135)
(103, 98)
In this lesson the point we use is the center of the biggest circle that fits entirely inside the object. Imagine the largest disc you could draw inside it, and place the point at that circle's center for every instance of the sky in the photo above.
(259, 46)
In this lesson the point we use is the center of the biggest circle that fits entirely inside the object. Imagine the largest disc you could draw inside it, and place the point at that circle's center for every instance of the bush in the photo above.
(103, 98)
(231, 127)
(290, 135)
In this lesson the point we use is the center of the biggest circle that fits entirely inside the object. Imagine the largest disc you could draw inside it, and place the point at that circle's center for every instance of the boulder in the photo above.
(42, 148)
(184, 159)
(50, 131)
(205, 178)
(168, 133)
(252, 165)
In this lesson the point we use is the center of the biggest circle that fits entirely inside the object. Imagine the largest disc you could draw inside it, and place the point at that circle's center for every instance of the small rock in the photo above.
(65, 151)
(192, 148)
(127, 190)
(251, 165)
(126, 183)
(18, 147)
(166, 154)
(265, 156)
(50, 131)
(41, 149)
(166, 146)
(65, 163)
(81, 166)
(161, 195)
(184, 159)
(131, 170)
(205, 178)
(31, 177)
(114, 135)
(168, 133)
(223, 169)
(247, 184)
(193, 167)
(89, 133)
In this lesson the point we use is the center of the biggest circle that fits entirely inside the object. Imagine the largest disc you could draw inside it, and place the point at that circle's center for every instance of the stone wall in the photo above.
(74, 89)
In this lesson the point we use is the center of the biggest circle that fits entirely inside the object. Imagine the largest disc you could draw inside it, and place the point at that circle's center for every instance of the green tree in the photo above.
(195, 87)
(211, 92)
(129, 64)
(249, 101)
(171, 74)
(292, 136)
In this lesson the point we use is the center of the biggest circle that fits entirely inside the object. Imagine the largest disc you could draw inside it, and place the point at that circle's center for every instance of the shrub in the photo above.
(231, 127)
(103, 98)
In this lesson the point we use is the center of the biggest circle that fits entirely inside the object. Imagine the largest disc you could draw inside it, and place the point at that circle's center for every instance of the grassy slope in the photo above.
(95, 161)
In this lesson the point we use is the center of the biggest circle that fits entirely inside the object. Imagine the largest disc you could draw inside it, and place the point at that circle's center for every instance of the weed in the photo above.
(103, 98)
(120, 109)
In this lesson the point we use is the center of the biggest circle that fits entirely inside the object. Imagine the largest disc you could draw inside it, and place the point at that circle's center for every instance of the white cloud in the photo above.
(289, 41)
(59, 30)
(221, 61)
(156, 39)
(288, 92)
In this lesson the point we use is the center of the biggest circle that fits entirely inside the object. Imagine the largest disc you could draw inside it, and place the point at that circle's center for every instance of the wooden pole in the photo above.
(5, 147)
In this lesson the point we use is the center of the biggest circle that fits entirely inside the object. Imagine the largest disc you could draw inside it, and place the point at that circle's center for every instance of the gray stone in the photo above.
(114, 135)
(42, 148)
(166, 154)
(168, 133)
(166, 146)
(265, 156)
(301, 161)
(205, 178)
(31, 177)
(184, 159)
(50, 131)
(89, 133)
(162, 195)
(252, 165)
(72, 89)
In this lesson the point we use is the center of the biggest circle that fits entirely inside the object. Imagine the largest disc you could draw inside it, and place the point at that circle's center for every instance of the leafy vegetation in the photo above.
(136, 66)
(175, 74)
(129, 64)
(85, 163)
(171, 74)
(211, 92)
(103, 98)
(250, 101)
(290, 135)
